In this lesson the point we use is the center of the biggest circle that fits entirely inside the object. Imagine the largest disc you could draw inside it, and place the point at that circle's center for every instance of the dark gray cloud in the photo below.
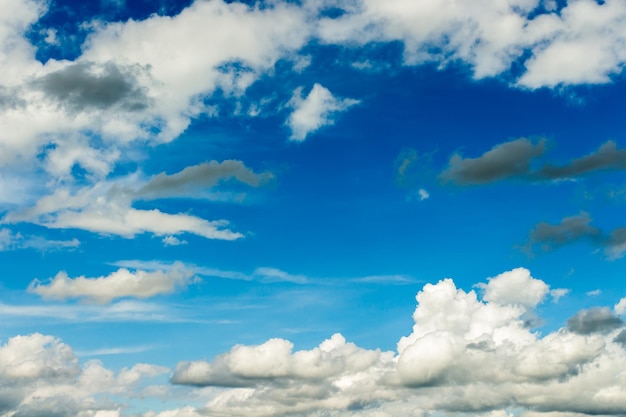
(606, 157)
(506, 160)
(594, 320)
(549, 236)
(513, 160)
(203, 175)
(575, 228)
(89, 86)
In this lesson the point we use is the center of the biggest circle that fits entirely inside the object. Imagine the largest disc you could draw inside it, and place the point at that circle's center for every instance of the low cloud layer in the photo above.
(468, 353)
(464, 355)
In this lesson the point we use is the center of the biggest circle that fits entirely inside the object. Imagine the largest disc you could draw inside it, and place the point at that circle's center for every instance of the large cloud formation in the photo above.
(464, 355)
(469, 353)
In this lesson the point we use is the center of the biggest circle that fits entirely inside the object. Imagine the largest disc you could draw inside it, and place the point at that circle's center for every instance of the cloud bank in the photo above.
(466, 354)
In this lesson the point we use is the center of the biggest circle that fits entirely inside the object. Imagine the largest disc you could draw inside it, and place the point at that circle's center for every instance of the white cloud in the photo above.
(315, 111)
(106, 207)
(557, 293)
(583, 43)
(464, 355)
(173, 241)
(40, 375)
(119, 284)
(620, 307)
(10, 241)
(273, 274)
(515, 287)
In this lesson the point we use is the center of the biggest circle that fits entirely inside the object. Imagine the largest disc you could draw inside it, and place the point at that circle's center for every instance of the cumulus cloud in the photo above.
(464, 355)
(315, 111)
(578, 43)
(506, 160)
(118, 284)
(41, 375)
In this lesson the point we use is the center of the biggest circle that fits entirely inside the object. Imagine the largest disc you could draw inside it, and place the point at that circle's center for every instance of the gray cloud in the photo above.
(506, 160)
(606, 157)
(616, 243)
(513, 160)
(203, 175)
(90, 86)
(594, 320)
(571, 229)
(575, 228)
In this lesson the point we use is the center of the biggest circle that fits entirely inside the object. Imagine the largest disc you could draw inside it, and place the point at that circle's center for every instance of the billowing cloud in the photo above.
(315, 111)
(41, 375)
(118, 284)
(506, 160)
(464, 355)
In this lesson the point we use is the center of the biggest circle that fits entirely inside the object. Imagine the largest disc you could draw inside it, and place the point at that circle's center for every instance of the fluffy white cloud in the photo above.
(581, 43)
(315, 111)
(40, 375)
(464, 355)
(118, 284)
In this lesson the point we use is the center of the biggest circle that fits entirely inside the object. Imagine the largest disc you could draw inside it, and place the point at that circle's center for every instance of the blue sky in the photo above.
(312, 208)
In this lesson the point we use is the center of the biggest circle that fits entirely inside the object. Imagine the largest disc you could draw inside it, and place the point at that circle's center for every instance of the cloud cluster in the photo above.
(469, 353)
(466, 354)
(580, 42)
(40, 375)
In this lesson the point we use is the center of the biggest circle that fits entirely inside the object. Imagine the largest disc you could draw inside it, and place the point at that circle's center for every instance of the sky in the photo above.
(320, 208)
